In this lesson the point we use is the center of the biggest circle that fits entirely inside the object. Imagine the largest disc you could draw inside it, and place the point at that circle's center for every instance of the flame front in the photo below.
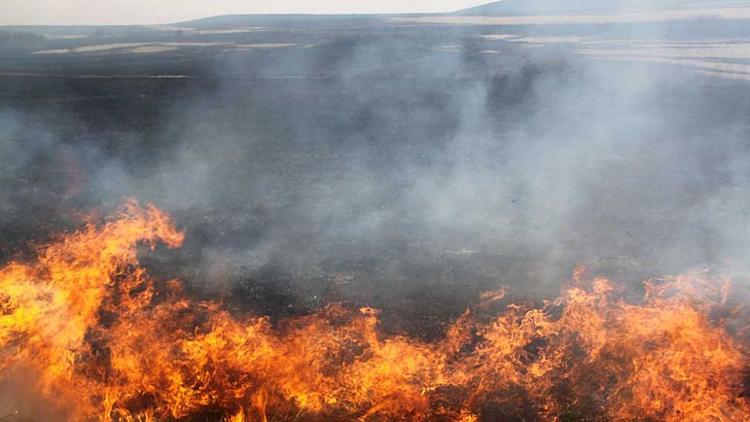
(105, 341)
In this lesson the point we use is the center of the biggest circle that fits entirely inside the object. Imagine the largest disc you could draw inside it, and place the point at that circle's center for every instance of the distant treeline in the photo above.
(14, 36)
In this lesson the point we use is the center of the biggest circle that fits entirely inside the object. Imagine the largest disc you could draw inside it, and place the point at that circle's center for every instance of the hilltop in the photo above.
(552, 7)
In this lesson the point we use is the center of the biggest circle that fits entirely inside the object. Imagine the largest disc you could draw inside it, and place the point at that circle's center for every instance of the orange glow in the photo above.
(105, 341)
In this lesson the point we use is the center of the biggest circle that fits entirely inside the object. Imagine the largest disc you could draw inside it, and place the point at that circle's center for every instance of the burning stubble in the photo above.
(101, 339)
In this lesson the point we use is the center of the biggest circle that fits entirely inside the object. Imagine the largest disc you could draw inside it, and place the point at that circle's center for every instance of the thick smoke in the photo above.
(394, 165)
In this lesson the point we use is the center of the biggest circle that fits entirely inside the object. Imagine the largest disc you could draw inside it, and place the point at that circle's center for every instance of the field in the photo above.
(405, 163)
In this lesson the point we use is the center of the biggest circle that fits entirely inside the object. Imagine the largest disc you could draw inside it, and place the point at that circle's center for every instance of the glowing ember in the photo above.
(105, 341)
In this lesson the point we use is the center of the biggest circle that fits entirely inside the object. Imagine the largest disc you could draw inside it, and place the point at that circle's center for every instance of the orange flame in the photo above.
(105, 341)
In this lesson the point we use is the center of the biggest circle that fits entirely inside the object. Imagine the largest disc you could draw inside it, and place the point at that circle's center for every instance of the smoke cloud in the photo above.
(390, 164)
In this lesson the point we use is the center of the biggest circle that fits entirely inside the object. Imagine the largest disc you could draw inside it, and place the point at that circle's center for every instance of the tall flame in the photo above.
(105, 341)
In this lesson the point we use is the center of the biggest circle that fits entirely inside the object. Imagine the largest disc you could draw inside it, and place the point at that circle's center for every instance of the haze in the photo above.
(118, 12)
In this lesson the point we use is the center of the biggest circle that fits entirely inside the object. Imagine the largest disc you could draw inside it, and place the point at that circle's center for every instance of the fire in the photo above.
(105, 341)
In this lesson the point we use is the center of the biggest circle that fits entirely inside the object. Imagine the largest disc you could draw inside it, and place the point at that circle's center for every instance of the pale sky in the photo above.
(65, 12)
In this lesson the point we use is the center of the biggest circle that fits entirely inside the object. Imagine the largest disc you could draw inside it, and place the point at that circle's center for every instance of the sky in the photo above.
(107, 12)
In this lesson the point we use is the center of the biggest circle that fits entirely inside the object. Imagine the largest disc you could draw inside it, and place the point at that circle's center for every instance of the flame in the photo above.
(105, 341)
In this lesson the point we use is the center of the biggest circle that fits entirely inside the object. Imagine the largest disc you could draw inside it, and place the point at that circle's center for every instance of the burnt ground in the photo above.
(401, 166)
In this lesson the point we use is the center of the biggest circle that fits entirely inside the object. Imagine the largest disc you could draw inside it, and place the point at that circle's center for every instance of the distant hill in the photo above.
(224, 21)
(554, 7)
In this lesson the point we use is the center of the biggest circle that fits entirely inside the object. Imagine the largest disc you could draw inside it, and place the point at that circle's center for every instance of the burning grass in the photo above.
(105, 341)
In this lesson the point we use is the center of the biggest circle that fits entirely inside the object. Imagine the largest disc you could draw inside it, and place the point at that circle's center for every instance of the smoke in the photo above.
(398, 166)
